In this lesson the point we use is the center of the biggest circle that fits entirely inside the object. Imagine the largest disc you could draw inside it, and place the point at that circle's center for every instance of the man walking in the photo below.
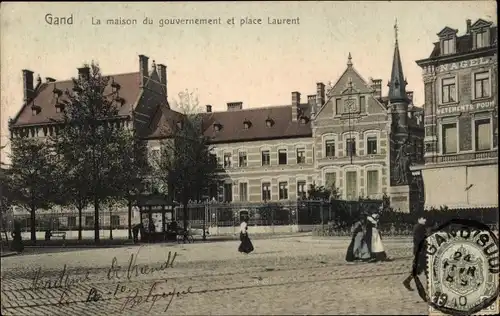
(419, 251)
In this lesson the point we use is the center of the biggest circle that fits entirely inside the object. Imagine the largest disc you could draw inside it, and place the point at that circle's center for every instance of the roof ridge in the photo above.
(113, 75)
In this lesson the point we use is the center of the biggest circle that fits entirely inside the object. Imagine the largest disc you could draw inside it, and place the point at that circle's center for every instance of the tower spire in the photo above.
(396, 30)
(397, 83)
(349, 60)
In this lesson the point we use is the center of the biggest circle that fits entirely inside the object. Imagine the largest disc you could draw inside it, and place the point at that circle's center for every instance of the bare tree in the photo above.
(186, 166)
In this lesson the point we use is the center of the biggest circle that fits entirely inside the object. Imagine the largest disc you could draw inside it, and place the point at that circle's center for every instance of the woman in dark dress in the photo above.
(358, 249)
(245, 245)
(420, 232)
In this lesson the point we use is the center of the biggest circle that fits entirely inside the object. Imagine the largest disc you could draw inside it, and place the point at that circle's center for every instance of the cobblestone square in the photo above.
(296, 275)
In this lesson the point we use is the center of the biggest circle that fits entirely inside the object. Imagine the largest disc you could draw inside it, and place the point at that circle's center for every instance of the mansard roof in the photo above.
(45, 99)
(232, 124)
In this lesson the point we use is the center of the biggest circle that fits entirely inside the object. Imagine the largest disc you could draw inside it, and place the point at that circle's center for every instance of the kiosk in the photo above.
(157, 214)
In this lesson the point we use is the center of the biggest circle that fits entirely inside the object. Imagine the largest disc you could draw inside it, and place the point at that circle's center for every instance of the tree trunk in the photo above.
(33, 223)
(79, 223)
(130, 217)
(110, 225)
(185, 213)
(96, 219)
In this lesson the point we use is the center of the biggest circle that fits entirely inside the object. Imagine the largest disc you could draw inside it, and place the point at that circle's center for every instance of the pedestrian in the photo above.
(17, 241)
(135, 232)
(358, 249)
(246, 245)
(374, 240)
(420, 231)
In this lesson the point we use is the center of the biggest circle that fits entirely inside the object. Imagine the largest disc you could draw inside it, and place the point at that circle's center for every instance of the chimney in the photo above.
(162, 73)
(49, 79)
(143, 69)
(84, 72)
(234, 106)
(320, 94)
(311, 100)
(295, 105)
(468, 23)
(209, 108)
(376, 85)
(28, 85)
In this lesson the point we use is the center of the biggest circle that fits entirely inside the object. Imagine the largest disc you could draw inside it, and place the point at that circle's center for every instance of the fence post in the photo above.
(322, 215)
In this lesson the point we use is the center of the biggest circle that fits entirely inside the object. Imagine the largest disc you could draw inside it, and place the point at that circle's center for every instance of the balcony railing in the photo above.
(465, 156)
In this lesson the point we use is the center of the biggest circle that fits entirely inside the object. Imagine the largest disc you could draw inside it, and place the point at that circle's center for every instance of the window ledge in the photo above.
(449, 103)
(482, 99)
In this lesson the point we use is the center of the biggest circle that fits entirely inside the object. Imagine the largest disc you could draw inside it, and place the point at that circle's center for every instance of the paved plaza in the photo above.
(294, 275)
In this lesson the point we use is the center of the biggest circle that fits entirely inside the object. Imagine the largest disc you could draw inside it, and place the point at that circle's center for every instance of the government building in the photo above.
(345, 135)
(461, 119)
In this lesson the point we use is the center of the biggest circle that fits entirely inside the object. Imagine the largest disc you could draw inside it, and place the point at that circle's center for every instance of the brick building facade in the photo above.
(346, 135)
(461, 118)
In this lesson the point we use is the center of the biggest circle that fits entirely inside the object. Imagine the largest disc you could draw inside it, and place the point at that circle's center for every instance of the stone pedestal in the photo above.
(400, 198)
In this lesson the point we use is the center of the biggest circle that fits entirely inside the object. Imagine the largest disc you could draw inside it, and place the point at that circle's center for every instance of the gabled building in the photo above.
(139, 96)
(461, 118)
(346, 135)
(365, 143)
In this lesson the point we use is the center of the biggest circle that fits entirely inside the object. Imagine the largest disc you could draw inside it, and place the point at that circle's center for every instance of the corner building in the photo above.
(461, 119)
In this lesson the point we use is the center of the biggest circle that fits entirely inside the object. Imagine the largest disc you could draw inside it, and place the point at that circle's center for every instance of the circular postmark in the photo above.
(462, 268)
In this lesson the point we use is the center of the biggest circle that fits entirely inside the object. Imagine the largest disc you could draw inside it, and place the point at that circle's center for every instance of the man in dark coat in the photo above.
(419, 251)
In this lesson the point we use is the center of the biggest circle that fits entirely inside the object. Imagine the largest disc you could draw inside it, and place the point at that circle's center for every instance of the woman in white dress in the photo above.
(373, 239)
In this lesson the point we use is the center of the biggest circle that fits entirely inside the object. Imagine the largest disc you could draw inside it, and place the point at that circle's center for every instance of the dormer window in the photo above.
(447, 38)
(217, 126)
(115, 85)
(481, 38)
(59, 107)
(247, 124)
(35, 109)
(448, 45)
(269, 122)
(57, 92)
(179, 124)
(120, 100)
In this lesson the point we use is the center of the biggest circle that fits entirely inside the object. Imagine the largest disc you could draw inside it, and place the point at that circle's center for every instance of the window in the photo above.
(242, 159)
(450, 138)
(372, 183)
(330, 148)
(362, 104)
(282, 159)
(115, 220)
(266, 191)
(89, 221)
(301, 155)
(483, 134)
(71, 221)
(266, 158)
(301, 190)
(227, 160)
(243, 192)
(283, 193)
(448, 90)
(371, 142)
(351, 185)
(448, 46)
(330, 179)
(481, 39)
(228, 192)
(351, 146)
(481, 85)
(338, 106)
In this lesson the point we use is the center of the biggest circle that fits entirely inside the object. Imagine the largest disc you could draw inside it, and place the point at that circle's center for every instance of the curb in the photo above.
(9, 254)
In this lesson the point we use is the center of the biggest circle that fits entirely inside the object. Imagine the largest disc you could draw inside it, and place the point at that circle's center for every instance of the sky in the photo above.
(259, 65)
